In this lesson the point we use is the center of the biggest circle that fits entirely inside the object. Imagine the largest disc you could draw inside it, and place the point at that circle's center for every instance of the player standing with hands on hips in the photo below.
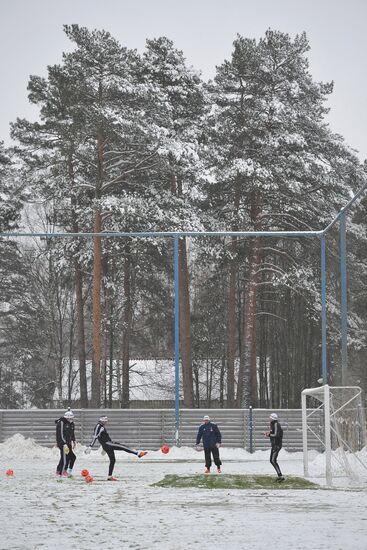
(212, 440)
(276, 439)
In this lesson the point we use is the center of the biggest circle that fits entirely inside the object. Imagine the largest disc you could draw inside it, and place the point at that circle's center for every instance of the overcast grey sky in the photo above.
(31, 37)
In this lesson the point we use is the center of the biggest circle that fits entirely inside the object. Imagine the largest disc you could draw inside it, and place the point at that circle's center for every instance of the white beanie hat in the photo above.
(69, 414)
(103, 418)
(206, 417)
(274, 416)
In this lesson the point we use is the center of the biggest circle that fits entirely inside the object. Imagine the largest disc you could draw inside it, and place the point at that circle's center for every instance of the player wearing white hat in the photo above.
(276, 439)
(109, 446)
(65, 440)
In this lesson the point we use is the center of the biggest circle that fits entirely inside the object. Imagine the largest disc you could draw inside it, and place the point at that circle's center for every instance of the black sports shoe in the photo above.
(280, 478)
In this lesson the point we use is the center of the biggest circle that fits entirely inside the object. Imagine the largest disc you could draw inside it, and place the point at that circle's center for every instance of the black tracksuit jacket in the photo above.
(101, 434)
(64, 432)
(276, 434)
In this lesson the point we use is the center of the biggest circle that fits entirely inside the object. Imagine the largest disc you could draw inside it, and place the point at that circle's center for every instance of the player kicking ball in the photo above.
(109, 446)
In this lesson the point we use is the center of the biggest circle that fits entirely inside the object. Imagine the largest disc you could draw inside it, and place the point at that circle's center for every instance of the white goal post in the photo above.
(344, 429)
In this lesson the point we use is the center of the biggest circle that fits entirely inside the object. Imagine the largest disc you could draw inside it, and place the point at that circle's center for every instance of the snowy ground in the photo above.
(38, 512)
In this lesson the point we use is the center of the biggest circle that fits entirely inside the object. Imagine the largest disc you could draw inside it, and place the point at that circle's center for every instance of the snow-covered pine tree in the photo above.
(51, 151)
(182, 92)
(17, 357)
(94, 136)
(274, 161)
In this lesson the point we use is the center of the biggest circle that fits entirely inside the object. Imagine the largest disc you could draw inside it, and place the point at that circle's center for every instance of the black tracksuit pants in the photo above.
(66, 460)
(209, 451)
(110, 447)
(273, 458)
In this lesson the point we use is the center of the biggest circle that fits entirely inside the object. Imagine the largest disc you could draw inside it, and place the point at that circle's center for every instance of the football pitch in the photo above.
(140, 511)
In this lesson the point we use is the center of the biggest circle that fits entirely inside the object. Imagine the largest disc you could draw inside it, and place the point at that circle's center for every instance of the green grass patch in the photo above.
(228, 481)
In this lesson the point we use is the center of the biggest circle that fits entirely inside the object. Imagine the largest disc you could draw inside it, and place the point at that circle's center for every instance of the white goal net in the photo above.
(343, 433)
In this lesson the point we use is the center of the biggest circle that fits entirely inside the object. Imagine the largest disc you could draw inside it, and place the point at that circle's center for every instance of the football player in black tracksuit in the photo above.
(276, 439)
(212, 440)
(109, 446)
(65, 439)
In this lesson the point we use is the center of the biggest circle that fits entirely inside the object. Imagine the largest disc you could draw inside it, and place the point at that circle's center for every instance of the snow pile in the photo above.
(357, 464)
(21, 447)
(25, 448)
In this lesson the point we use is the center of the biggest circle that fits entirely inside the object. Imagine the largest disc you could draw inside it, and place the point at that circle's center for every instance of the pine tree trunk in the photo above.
(106, 299)
(78, 282)
(197, 387)
(231, 331)
(231, 327)
(221, 382)
(247, 376)
(55, 354)
(96, 294)
(104, 373)
(185, 332)
(184, 317)
(262, 363)
(81, 335)
(125, 393)
(97, 284)
(71, 350)
(110, 371)
(247, 379)
(110, 346)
